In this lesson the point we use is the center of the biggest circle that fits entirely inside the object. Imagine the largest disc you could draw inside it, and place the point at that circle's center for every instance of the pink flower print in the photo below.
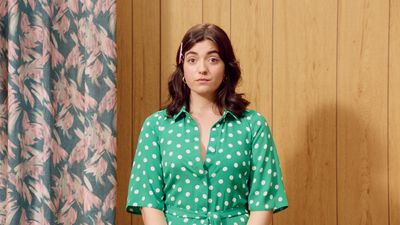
(36, 33)
(32, 4)
(99, 220)
(90, 200)
(62, 26)
(94, 70)
(76, 97)
(108, 47)
(40, 190)
(90, 103)
(107, 6)
(3, 115)
(56, 57)
(91, 40)
(25, 24)
(58, 152)
(73, 5)
(87, 5)
(69, 217)
(74, 58)
(3, 142)
(80, 151)
(23, 220)
(112, 147)
(65, 122)
(32, 131)
(109, 202)
(84, 196)
(60, 91)
(98, 169)
(12, 51)
(97, 8)
(38, 217)
(3, 8)
(109, 100)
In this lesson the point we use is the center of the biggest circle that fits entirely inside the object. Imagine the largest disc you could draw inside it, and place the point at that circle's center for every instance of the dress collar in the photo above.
(183, 111)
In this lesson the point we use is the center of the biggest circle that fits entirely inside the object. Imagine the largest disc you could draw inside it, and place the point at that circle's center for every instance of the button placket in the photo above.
(197, 163)
(210, 148)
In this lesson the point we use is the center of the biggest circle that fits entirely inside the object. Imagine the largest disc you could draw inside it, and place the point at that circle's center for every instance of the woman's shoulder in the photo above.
(156, 117)
(256, 120)
(253, 115)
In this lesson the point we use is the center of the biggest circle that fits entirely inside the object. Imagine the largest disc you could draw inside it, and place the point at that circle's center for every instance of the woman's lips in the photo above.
(202, 80)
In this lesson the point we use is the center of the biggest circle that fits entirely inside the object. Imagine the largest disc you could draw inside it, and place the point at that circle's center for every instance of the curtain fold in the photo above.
(57, 112)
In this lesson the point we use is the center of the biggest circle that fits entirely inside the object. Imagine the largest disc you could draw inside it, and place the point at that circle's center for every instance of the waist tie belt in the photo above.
(213, 218)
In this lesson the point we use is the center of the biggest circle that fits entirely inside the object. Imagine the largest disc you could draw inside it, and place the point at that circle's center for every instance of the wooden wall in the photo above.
(325, 74)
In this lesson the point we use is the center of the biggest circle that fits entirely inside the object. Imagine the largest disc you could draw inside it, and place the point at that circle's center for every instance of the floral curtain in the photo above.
(57, 112)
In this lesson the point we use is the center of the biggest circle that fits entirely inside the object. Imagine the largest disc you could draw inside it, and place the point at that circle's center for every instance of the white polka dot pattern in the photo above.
(241, 168)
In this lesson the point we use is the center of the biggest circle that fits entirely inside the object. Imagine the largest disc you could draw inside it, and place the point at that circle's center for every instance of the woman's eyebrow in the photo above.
(212, 52)
(208, 53)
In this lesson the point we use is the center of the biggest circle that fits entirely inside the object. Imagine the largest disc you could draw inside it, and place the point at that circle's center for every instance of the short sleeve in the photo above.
(266, 186)
(146, 182)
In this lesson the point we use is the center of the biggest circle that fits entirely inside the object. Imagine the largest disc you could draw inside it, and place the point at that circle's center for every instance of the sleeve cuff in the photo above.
(136, 208)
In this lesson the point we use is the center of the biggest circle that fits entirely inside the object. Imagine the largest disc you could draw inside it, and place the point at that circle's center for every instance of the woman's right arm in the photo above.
(152, 216)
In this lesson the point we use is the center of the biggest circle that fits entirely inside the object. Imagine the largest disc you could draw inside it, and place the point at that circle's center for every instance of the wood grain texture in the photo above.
(304, 108)
(147, 63)
(311, 77)
(146, 60)
(177, 17)
(251, 35)
(218, 12)
(394, 113)
(362, 112)
(124, 104)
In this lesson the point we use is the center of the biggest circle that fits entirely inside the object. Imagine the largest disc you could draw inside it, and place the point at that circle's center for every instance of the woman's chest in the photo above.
(228, 149)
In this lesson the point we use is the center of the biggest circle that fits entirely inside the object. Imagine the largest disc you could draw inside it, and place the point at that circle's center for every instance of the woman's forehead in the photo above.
(203, 47)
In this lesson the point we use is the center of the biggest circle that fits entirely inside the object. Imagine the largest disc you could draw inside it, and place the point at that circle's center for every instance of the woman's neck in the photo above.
(200, 105)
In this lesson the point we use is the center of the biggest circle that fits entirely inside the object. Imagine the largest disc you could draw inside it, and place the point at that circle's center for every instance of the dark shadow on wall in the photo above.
(362, 167)
(309, 166)
(335, 167)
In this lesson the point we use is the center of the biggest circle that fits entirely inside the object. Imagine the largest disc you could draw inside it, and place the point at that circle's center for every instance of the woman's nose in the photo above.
(202, 67)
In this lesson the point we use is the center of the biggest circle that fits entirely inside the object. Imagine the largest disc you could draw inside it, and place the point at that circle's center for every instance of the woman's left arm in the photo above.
(260, 218)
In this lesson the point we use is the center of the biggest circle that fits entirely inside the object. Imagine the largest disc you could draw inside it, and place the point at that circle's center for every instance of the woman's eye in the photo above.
(214, 60)
(191, 60)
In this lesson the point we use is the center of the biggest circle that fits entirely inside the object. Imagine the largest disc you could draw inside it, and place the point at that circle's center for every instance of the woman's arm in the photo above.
(153, 216)
(260, 218)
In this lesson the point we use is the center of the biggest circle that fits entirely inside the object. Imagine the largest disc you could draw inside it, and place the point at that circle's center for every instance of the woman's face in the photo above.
(203, 69)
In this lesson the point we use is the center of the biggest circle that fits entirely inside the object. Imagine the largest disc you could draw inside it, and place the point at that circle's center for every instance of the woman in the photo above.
(205, 159)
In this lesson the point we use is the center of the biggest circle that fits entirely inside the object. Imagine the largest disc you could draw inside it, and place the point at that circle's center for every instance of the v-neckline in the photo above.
(203, 160)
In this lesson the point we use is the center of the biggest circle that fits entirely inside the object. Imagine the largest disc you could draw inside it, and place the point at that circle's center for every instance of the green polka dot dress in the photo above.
(240, 173)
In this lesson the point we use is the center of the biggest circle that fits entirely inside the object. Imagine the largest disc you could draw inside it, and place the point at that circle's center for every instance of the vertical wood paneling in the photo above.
(146, 61)
(304, 107)
(362, 112)
(288, 51)
(394, 113)
(124, 104)
(218, 12)
(251, 35)
(177, 17)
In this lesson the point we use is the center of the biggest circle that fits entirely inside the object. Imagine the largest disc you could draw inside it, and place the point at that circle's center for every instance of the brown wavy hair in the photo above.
(226, 96)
